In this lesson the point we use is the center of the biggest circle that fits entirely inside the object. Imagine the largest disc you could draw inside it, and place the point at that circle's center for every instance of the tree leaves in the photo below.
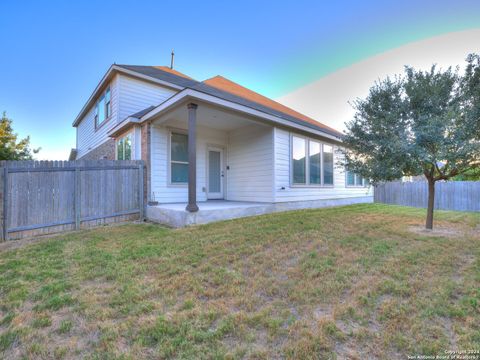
(10, 147)
(424, 122)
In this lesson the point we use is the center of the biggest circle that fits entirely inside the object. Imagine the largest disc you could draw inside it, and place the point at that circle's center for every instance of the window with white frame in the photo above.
(103, 108)
(178, 158)
(124, 147)
(312, 162)
(327, 164)
(353, 179)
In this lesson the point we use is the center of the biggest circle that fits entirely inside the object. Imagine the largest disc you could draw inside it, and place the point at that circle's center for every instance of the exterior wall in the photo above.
(106, 151)
(89, 138)
(161, 190)
(250, 155)
(284, 191)
(128, 96)
(136, 95)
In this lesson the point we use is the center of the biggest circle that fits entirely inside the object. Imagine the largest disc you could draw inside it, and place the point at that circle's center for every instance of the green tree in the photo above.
(10, 147)
(424, 122)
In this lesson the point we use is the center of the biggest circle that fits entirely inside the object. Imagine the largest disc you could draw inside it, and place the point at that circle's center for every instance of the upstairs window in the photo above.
(178, 158)
(103, 109)
(124, 148)
(311, 162)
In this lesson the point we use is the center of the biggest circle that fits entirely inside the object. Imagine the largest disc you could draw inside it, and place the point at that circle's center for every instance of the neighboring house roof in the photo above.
(219, 87)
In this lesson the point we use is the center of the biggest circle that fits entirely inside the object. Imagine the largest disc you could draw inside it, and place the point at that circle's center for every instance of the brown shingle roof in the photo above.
(227, 85)
(172, 71)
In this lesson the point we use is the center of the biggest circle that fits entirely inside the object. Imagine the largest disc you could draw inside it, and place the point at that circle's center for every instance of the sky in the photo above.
(55, 52)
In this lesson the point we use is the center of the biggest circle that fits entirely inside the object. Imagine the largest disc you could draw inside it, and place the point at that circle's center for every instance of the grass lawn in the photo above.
(350, 282)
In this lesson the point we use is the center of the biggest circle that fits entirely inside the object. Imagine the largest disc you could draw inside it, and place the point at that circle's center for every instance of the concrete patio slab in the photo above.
(175, 215)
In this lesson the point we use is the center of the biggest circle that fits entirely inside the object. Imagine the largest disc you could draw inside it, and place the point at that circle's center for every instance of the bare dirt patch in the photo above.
(442, 230)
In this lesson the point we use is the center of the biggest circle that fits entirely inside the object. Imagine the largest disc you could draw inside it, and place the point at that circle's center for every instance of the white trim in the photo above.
(190, 93)
(307, 163)
(117, 128)
(130, 133)
(110, 72)
(221, 194)
(355, 181)
(169, 157)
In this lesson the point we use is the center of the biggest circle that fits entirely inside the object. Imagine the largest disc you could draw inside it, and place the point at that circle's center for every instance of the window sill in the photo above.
(98, 127)
(178, 185)
(312, 186)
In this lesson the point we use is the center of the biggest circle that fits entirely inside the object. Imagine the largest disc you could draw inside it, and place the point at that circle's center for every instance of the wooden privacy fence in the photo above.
(42, 197)
(449, 195)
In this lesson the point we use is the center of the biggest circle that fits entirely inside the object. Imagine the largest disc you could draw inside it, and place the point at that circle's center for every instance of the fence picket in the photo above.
(40, 197)
(450, 195)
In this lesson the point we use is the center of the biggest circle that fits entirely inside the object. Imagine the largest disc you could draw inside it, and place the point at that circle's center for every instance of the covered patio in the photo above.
(202, 152)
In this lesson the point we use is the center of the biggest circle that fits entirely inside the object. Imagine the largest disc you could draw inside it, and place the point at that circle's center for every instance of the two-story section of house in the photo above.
(212, 139)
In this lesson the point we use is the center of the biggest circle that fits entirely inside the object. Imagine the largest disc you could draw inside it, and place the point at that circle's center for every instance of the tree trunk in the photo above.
(431, 202)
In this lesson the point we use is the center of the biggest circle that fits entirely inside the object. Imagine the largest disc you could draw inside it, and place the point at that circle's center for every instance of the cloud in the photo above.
(327, 99)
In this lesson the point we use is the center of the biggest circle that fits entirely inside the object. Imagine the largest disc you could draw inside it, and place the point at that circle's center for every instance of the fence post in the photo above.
(141, 191)
(5, 197)
(77, 199)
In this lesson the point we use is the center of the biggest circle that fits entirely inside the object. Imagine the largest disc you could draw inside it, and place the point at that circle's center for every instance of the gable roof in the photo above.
(227, 85)
(173, 71)
(162, 73)
(217, 86)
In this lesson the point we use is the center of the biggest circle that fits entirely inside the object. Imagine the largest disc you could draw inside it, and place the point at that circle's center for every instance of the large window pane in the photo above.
(350, 178)
(120, 149)
(358, 180)
(299, 159)
(315, 162)
(101, 111)
(128, 148)
(327, 165)
(214, 171)
(179, 173)
(107, 103)
(179, 150)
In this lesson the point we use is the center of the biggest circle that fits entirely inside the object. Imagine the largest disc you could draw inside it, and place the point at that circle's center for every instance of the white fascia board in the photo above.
(121, 125)
(108, 75)
(194, 94)
(148, 78)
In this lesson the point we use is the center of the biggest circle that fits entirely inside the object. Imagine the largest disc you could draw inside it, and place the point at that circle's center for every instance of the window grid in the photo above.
(103, 108)
(355, 180)
(307, 175)
(178, 162)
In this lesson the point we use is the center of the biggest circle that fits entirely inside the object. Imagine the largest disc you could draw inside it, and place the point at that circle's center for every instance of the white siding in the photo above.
(136, 95)
(87, 137)
(291, 193)
(250, 158)
(128, 96)
(161, 190)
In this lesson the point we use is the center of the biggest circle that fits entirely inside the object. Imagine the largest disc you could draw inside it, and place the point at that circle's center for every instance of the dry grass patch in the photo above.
(347, 282)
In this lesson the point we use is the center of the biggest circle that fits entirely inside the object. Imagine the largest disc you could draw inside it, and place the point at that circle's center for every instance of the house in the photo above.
(212, 140)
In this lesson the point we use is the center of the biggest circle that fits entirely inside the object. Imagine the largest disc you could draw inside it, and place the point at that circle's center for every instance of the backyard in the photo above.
(362, 281)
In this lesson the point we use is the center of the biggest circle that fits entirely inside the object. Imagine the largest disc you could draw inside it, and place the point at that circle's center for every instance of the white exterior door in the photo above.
(215, 173)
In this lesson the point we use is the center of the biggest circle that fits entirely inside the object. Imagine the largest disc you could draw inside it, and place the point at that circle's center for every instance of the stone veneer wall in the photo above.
(106, 151)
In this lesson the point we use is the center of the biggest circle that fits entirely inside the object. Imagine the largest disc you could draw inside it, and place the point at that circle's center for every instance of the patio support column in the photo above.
(192, 158)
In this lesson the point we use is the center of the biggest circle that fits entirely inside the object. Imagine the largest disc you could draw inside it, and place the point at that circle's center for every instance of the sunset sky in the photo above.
(313, 56)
